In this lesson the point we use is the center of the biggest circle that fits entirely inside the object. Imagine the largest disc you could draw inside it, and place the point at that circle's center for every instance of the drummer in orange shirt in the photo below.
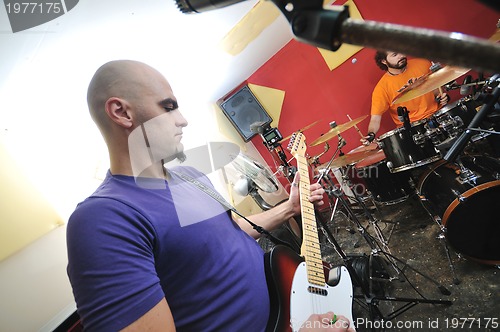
(399, 73)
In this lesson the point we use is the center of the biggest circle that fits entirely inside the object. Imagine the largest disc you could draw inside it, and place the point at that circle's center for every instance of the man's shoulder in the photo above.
(424, 63)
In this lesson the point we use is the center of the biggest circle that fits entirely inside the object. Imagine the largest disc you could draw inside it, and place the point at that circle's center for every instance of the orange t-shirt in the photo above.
(386, 90)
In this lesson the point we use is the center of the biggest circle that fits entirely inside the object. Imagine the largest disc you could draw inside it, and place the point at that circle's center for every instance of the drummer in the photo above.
(399, 73)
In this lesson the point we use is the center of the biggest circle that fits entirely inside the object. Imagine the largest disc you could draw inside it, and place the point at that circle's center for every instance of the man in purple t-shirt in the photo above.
(150, 251)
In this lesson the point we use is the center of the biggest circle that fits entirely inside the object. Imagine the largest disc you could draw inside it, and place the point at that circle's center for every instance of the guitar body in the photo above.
(280, 265)
(294, 299)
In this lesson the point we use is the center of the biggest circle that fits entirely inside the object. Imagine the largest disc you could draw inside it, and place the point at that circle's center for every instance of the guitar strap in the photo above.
(215, 195)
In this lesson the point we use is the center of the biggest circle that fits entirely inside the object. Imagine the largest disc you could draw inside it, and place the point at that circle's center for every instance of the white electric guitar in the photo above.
(298, 284)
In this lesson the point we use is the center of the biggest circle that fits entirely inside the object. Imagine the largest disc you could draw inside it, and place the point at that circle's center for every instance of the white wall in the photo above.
(44, 123)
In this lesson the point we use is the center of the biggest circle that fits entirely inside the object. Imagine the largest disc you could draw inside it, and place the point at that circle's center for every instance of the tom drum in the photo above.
(406, 150)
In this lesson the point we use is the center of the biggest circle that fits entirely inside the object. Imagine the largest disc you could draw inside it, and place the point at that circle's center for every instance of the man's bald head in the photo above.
(124, 79)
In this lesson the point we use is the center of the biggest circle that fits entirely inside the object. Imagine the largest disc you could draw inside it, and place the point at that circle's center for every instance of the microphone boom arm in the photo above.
(328, 29)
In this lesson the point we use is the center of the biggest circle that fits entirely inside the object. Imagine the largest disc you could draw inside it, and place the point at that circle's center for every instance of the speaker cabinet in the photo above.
(243, 109)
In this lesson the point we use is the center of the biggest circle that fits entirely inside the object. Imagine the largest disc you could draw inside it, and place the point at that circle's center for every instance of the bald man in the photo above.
(148, 251)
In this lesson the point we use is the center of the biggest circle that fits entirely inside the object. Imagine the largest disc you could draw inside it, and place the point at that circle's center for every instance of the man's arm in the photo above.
(374, 124)
(159, 318)
(373, 127)
(274, 217)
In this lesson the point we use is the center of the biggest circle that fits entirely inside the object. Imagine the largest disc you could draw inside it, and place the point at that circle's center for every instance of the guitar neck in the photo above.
(310, 249)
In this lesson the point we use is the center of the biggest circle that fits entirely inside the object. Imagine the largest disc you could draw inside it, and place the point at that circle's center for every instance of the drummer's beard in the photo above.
(401, 64)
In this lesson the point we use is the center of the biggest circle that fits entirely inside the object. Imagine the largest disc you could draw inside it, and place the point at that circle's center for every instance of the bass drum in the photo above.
(468, 204)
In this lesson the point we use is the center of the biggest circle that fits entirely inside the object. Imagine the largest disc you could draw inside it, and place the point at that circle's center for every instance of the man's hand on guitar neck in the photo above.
(327, 322)
(315, 196)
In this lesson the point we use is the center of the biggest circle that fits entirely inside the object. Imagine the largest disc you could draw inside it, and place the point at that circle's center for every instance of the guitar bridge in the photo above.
(317, 291)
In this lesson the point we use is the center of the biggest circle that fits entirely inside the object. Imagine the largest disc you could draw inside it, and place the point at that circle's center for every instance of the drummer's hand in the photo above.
(364, 141)
(368, 139)
(442, 99)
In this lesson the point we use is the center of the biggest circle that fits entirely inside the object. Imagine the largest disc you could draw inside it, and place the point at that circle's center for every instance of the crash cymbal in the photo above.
(350, 158)
(337, 130)
(429, 82)
(302, 129)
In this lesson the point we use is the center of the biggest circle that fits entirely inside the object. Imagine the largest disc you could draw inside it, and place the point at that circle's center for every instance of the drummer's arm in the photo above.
(374, 124)
(373, 127)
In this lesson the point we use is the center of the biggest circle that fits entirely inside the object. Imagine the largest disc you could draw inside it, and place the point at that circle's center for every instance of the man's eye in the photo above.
(169, 108)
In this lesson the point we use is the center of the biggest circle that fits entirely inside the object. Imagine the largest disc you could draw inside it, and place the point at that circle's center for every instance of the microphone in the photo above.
(400, 114)
(404, 117)
(199, 6)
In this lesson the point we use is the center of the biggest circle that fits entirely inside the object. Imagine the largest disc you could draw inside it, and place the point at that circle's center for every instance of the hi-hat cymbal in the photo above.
(302, 129)
(429, 82)
(350, 158)
(337, 130)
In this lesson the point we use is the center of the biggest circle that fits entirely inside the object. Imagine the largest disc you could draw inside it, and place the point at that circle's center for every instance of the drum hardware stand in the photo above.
(372, 300)
(474, 125)
(373, 243)
(442, 238)
(372, 220)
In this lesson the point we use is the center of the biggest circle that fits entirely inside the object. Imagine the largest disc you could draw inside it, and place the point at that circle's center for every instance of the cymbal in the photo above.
(337, 130)
(350, 158)
(436, 79)
(429, 82)
(263, 178)
(302, 129)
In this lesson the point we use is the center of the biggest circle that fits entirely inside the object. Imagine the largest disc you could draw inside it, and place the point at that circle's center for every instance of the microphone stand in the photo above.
(328, 29)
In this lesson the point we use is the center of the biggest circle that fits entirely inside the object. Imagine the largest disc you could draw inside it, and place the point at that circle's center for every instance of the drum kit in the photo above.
(460, 194)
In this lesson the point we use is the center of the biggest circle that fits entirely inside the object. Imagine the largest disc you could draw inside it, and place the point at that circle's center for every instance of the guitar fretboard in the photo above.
(310, 244)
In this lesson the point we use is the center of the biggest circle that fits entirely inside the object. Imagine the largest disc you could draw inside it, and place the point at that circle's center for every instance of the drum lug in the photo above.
(419, 139)
(459, 196)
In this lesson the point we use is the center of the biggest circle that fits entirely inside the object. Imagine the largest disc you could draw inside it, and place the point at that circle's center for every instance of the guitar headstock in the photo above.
(297, 145)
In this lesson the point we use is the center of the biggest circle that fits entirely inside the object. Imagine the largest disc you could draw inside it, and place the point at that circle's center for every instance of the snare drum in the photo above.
(468, 205)
(405, 150)
(385, 187)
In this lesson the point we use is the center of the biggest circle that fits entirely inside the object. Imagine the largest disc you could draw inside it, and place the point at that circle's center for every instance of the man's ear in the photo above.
(118, 111)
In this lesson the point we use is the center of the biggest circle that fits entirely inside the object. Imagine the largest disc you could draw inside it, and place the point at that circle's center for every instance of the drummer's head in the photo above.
(389, 59)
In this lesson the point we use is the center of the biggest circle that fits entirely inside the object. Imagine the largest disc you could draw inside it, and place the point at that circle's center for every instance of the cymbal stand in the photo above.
(372, 221)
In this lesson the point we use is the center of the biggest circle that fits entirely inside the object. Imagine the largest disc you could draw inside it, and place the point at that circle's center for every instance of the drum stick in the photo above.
(355, 126)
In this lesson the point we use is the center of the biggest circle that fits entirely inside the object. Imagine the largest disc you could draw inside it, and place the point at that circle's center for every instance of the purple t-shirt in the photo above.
(129, 246)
